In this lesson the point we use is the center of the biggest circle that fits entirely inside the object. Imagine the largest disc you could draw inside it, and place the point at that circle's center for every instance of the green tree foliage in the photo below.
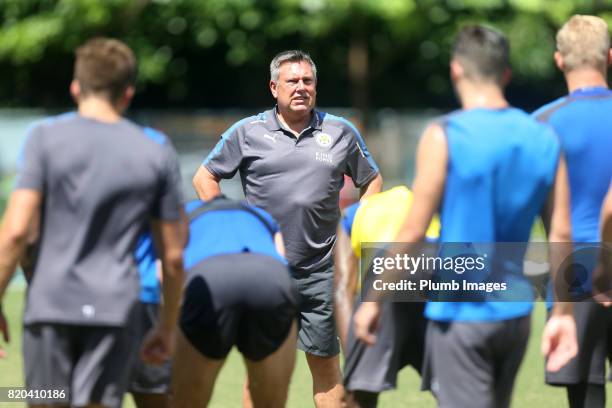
(214, 53)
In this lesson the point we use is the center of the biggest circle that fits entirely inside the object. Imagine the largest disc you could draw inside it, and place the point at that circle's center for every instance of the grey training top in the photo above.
(297, 180)
(100, 183)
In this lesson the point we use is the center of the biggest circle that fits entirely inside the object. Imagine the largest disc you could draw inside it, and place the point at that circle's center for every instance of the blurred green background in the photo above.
(215, 53)
(204, 63)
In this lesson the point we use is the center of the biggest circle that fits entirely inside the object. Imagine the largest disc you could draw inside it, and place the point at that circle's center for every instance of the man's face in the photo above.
(296, 89)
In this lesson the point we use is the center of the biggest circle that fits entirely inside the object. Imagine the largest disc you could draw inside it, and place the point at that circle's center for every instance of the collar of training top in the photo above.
(273, 124)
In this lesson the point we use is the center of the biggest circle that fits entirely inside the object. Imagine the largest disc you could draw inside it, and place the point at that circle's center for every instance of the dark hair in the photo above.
(483, 52)
(105, 65)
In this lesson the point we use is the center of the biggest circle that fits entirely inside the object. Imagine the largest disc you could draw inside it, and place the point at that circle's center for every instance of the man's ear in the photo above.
(126, 98)
(128, 94)
(610, 57)
(456, 70)
(559, 61)
(507, 76)
(273, 89)
(75, 90)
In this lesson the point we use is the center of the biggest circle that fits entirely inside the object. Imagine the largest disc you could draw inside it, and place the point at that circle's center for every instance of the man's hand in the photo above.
(158, 346)
(5, 332)
(366, 322)
(559, 343)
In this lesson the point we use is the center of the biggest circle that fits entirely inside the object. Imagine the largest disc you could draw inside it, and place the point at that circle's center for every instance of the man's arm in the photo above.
(602, 276)
(345, 283)
(206, 184)
(30, 253)
(559, 342)
(606, 218)
(223, 160)
(374, 186)
(279, 243)
(430, 178)
(428, 186)
(22, 207)
(169, 238)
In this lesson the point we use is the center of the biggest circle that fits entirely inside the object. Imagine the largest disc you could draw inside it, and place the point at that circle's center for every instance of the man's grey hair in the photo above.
(290, 56)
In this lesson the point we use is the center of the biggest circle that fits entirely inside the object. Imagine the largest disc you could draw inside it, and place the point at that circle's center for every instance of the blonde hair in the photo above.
(584, 42)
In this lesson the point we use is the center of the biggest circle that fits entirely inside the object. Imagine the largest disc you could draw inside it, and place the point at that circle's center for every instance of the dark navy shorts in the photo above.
(243, 299)
(400, 341)
(594, 332)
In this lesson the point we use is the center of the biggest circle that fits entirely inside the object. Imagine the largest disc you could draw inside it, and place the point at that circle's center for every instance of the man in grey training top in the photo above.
(95, 179)
(292, 161)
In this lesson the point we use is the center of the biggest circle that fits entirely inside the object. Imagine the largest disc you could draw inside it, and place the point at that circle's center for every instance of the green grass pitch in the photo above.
(530, 390)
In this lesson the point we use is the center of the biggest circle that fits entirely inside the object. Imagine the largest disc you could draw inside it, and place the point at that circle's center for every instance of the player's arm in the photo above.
(430, 178)
(428, 186)
(602, 276)
(279, 243)
(606, 218)
(22, 207)
(372, 187)
(185, 242)
(169, 231)
(169, 237)
(206, 184)
(30, 253)
(559, 342)
(345, 283)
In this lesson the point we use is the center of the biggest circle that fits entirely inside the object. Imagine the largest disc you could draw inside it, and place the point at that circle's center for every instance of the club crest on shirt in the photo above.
(323, 140)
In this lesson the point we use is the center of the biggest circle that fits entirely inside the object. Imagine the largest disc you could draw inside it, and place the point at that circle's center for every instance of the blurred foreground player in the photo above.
(490, 168)
(238, 292)
(583, 120)
(369, 370)
(96, 179)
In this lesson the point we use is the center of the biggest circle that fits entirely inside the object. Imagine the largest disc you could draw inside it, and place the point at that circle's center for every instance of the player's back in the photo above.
(223, 226)
(583, 122)
(501, 167)
(101, 182)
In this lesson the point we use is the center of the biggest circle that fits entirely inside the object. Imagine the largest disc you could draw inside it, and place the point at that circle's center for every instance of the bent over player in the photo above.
(369, 370)
(238, 292)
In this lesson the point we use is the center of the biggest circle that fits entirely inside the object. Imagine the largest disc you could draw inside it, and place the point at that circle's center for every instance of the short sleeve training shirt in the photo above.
(296, 179)
(583, 120)
(101, 182)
